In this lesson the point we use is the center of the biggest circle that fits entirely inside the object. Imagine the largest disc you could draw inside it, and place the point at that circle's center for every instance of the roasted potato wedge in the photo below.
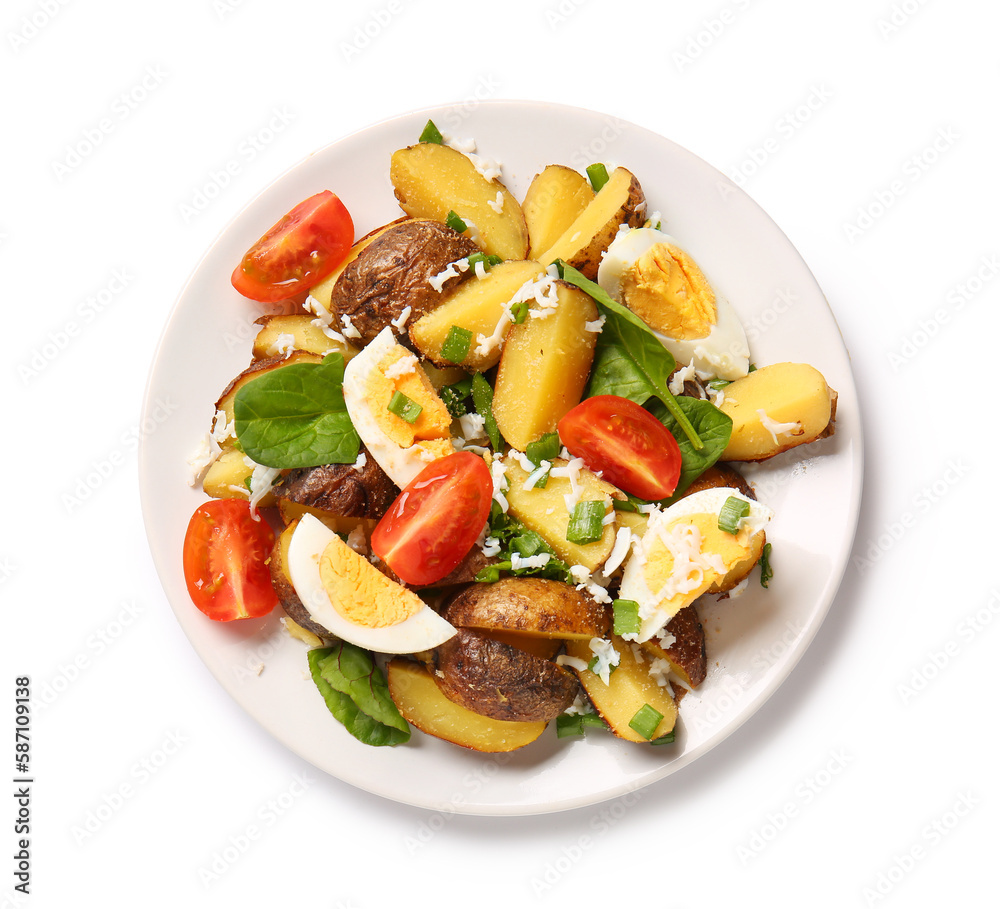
(301, 331)
(227, 476)
(282, 583)
(686, 652)
(631, 687)
(620, 201)
(432, 180)
(544, 368)
(534, 607)
(422, 704)
(340, 489)
(497, 680)
(775, 408)
(392, 273)
(543, 510)
(477, 305)
(555, 199)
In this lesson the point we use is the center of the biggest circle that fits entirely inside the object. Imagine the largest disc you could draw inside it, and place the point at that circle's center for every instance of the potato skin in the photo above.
(340, 489)
(282, 583)
(392, 273)
(686, 654)
(497, 680)
(536, 606)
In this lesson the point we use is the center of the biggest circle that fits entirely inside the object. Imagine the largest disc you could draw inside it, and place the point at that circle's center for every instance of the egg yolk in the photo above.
(667, 290)
(360, 592)
(687, 556)
(408, 378)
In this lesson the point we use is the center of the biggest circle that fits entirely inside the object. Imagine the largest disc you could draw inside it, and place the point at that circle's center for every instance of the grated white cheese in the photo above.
(451, 270)
(597, 326)
(581, 704)
(402, 318)
(362, 460)
(261, 481)
(497, 205)
(623, 543)
(473, 426)
(776, 429)
(681, 376)
(572, 662)
(349, 330)
(659, 672)
(491, 547)
(357, 541)
(535, 561)
(323, 320)
(401, 367)
(607, 658)
(571, 470)
(200, 459)
(499, 472)
(282, 346)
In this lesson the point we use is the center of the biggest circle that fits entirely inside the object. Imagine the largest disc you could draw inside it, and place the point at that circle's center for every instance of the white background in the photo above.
(867, 130)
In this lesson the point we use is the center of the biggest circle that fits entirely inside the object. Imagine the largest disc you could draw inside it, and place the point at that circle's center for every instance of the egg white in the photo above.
(422, 631)
(400, 464)
(724, 353)
(707, 501)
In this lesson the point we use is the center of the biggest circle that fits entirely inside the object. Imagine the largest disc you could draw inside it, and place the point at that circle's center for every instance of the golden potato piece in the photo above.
(423, 704)
(227, 477)
(686, 654)
(531, 607)
(631, 687)
(620, 201)
(497, 680)
(544, 368)
(775, 408)
(544, 511)
(556, 197)
(300, 329)
(258, 367)
(477, 305)
(282, 583)
(431, 180)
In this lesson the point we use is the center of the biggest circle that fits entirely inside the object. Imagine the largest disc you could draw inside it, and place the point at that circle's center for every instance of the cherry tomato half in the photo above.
(436, 519)
(632, 449)
(225, 561)
(298, 252)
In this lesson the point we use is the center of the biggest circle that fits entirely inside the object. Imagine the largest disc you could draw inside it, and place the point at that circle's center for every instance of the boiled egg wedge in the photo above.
(683, 552)
(352, 599)
(645, 270)
(402, 447)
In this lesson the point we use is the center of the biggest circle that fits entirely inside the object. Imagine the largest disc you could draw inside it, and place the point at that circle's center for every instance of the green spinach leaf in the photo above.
(295, 416)
(714, 429)
(356, 693)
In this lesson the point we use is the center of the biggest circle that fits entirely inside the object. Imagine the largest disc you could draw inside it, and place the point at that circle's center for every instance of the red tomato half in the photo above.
(436, 519)
(225, 567)
(297, 253)
(632, 449)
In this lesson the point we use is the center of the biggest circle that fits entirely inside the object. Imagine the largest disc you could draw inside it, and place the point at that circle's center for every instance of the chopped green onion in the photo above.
(667, 739)
(482, 397)
(765, 565)
(630, 504)
(431, 134)
(733, 511)
(598, 174)
(576, 724)
(488, 261)
(456, 223)
(403, 407)
(586, 522)
(544, 448)
(519, 311)
(455, 395)
(528, 544)
(646, 720)
(718, 384)
(626, 613)
(456, 345)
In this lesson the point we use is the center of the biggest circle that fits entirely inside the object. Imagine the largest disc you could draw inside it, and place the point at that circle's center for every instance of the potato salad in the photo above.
(486, 458)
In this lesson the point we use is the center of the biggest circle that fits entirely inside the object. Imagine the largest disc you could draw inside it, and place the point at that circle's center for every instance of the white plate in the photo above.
(753, 642)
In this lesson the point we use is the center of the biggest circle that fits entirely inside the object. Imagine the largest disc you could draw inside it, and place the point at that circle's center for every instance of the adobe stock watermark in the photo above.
(487, 86)
(125, 104)
(936, 660)
(757, 156)
(64, 336)
(472, 782)
(103, 468)
(712, 28)
(32, 24)
(902, 864)
(899, 16)
(921, 504)
(373, 27)
(247, 150)
(803, 794)
(136, 779)
(238, 844)
(911, 172)
(604, 820)
(559, 13)
(69, 671)
(225, 8)
(930, 327)
(594, 150)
